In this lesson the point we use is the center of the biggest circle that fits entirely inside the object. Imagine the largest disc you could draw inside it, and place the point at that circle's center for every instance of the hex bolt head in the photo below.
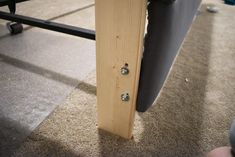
(124, 71)
(125, 97)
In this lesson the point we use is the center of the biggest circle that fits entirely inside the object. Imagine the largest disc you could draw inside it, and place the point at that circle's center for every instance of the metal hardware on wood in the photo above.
(124, 70)
(125, 97)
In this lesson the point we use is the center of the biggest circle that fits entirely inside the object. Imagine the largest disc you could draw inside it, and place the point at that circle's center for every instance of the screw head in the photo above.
(124, 71)
(125, 97)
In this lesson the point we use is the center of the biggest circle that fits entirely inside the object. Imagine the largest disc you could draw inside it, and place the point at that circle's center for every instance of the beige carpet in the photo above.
(189, 118)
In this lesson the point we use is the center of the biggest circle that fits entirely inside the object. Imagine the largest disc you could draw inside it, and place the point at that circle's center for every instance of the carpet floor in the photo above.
(191, 116)
(35, 76)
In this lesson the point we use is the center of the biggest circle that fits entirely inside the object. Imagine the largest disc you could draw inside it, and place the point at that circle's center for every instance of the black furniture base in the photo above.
(168, 24)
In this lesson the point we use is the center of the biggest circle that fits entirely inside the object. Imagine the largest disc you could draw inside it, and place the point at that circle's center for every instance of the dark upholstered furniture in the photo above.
(169, 21)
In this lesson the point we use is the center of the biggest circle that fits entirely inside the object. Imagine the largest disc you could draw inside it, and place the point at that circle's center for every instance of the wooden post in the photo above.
(119, 42)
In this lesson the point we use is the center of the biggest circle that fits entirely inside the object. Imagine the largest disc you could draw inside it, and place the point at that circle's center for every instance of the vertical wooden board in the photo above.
(119, 40)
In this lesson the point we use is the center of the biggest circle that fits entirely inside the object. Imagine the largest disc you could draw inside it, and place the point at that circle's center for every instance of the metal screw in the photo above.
(125, 97)
(124, 70)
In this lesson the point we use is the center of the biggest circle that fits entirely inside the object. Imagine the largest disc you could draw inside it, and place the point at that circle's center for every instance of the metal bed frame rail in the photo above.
(53, 26)
(45, 24)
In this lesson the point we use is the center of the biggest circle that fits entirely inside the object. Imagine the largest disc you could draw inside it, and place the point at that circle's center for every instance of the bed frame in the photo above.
(119, 36)
(15, 26)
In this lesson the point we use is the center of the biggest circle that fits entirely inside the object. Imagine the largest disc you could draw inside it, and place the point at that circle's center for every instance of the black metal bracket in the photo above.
(53, 26)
